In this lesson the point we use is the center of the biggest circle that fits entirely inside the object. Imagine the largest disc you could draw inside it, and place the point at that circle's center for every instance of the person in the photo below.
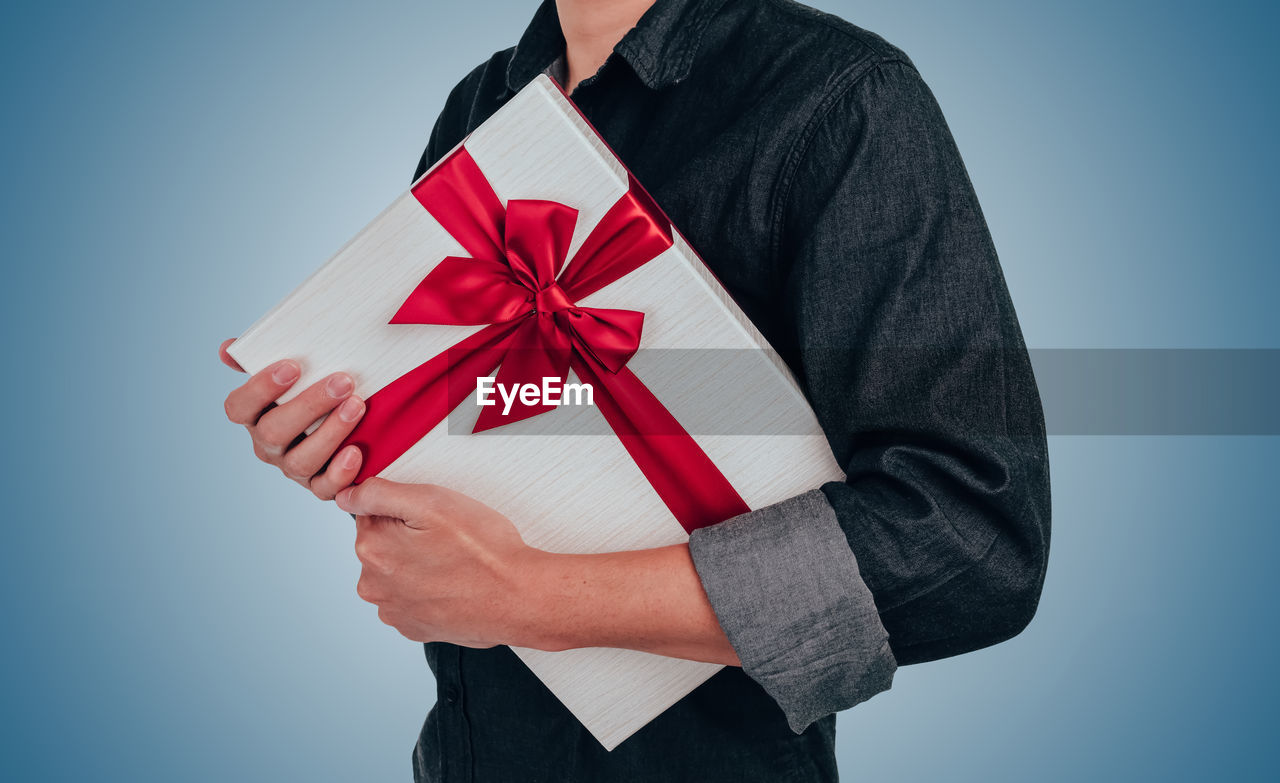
(810, 166)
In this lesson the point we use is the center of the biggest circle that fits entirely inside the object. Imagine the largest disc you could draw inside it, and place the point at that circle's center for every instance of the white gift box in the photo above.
(565, 480)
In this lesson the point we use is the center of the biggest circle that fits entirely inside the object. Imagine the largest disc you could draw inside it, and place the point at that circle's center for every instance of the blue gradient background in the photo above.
(173, 610)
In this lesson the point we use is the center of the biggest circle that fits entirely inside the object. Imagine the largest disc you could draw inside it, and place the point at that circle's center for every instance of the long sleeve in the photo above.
(450, 126)
(906, 343)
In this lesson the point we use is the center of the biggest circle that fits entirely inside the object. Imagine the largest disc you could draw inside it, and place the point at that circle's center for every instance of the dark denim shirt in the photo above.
(809, 165)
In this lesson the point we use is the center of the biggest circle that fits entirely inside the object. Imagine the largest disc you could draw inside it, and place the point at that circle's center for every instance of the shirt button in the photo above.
(451, 695)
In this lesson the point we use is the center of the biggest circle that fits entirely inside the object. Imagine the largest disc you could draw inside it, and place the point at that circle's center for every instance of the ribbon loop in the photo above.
(611, 337)
(465, 292)
(537, 237)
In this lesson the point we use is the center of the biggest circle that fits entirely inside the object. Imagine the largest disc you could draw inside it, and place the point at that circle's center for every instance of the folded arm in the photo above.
(906, 342)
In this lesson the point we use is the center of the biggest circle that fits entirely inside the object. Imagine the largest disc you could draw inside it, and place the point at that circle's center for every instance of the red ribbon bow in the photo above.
(516, 285)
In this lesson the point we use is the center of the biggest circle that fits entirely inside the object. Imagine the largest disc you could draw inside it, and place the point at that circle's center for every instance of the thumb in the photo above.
(226, 357)
(380, 497)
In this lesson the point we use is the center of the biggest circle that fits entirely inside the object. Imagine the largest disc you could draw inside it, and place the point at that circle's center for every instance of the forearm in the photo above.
(650, 600)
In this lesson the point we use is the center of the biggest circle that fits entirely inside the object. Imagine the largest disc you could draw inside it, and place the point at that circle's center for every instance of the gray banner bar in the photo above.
(1085, 391)
(1146, 391)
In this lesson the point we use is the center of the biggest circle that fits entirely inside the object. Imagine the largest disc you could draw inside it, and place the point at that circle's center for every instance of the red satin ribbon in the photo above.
(513, 285)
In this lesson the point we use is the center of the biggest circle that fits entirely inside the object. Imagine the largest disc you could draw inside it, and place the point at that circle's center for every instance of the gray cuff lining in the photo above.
(787, 591)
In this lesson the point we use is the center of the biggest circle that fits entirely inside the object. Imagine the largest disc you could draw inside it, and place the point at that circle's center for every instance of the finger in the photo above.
(309, 455)
(246, 403)
(226, 357)
(365, 539)
(366, 589)
(366, 523)
(380, 497)
(341, 472)
(278, 427)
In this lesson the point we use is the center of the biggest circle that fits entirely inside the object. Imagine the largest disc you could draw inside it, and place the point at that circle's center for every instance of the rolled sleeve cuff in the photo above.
(787, 591)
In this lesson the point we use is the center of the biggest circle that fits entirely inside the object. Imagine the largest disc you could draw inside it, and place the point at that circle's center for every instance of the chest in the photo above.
(713, 160)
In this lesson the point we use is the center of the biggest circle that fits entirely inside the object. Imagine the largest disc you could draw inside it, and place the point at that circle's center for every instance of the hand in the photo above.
(277, 430)
(439, 565)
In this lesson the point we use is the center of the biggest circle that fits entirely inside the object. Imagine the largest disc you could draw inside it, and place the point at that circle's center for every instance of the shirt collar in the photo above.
(660, 48)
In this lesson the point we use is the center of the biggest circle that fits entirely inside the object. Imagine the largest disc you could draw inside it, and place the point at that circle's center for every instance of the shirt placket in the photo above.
(455, 728)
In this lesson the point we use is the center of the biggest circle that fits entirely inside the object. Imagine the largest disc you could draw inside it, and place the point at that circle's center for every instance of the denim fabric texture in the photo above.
(811, 168)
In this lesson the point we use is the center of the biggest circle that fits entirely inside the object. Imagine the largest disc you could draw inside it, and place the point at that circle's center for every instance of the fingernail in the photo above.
(285, 372)
(339, 386)
(351, 409)
(351, 458)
